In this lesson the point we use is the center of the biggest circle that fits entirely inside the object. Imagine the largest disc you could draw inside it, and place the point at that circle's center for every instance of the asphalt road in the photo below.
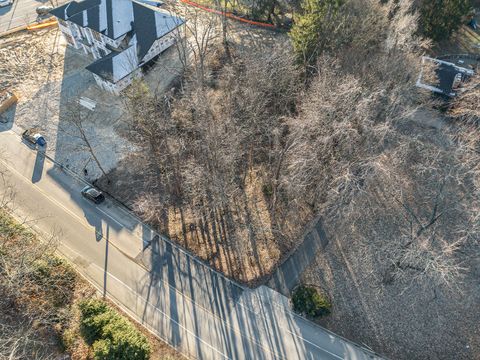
(196, 310)
(22, 12)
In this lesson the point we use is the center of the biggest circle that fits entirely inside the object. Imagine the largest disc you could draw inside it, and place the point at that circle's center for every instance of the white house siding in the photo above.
(64, 27)
(159, 46)
(75, 29)
(70, 33)
(127, 80)
(97, 44)
(114, 43)
(115, 88)
(74, 35)
(88, 32)
(67, 34)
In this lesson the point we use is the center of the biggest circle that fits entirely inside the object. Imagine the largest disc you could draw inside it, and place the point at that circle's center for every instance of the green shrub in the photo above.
(307, 300)
(102, 349)
(267, 190)
(91, 324)
(111, 335)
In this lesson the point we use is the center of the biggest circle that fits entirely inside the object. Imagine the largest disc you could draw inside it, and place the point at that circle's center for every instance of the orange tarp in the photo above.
(228, 14)
(41, 25)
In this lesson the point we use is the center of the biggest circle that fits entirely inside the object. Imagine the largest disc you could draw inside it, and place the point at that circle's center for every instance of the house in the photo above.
(121, 35)
(443, 77)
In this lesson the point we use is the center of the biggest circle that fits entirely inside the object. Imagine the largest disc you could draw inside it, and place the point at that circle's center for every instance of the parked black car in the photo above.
(92, 194)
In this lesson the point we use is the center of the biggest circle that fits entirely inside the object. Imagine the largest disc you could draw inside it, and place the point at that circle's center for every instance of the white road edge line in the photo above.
(238, 331)
(190, 256)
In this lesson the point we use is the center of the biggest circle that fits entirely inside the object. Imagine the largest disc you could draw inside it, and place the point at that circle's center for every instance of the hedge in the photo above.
(111, 335)
(307, 300)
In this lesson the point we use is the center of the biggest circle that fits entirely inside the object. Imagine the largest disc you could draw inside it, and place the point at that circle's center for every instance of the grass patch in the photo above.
(47, 310)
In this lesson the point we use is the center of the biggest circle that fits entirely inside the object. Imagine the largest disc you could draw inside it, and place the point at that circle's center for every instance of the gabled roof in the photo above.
(144, 24)
(154, 24)
(116, 65)
(67, 10)
(113, 18)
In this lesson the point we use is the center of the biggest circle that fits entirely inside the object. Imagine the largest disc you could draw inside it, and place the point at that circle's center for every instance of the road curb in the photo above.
(130, 213)
(78, 271)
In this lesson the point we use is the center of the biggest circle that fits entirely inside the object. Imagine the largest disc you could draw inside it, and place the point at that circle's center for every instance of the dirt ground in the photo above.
(242, 247)
(50, 78)
(398, 324)
(206, 233)
(398, 319)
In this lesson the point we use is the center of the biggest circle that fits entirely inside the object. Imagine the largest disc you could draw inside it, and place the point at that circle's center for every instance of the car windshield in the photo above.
(93, 192)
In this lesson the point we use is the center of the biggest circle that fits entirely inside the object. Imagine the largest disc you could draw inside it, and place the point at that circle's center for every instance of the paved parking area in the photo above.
(22, 12)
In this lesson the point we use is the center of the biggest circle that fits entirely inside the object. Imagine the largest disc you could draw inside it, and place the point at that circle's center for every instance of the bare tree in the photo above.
(223, 6)
(78, 126)
(28, 294)
(351, 161)
(196, 40)
(200, 149)
(160, 148)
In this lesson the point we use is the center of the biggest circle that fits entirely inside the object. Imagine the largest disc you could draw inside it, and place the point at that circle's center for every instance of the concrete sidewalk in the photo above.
(286, 277)
(192, 307)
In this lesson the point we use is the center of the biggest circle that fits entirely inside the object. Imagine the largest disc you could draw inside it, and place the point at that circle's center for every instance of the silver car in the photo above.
(43, 9)
(4, 3)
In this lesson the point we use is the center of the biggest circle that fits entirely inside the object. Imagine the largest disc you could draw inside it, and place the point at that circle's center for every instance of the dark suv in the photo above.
(92, 194)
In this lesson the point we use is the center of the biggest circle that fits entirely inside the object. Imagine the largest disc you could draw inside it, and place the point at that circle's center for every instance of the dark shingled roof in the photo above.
(446, 77)
(153, 26)
(116, 65)
(114, 18)
(145, 29)
(67, 10)
(104, 66)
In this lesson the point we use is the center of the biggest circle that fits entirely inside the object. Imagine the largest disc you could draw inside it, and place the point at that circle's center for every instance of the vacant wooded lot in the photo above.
(261, 132)
(253, 142)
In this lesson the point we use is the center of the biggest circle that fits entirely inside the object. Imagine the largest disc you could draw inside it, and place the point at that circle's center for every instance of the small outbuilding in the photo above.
(443, 77)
